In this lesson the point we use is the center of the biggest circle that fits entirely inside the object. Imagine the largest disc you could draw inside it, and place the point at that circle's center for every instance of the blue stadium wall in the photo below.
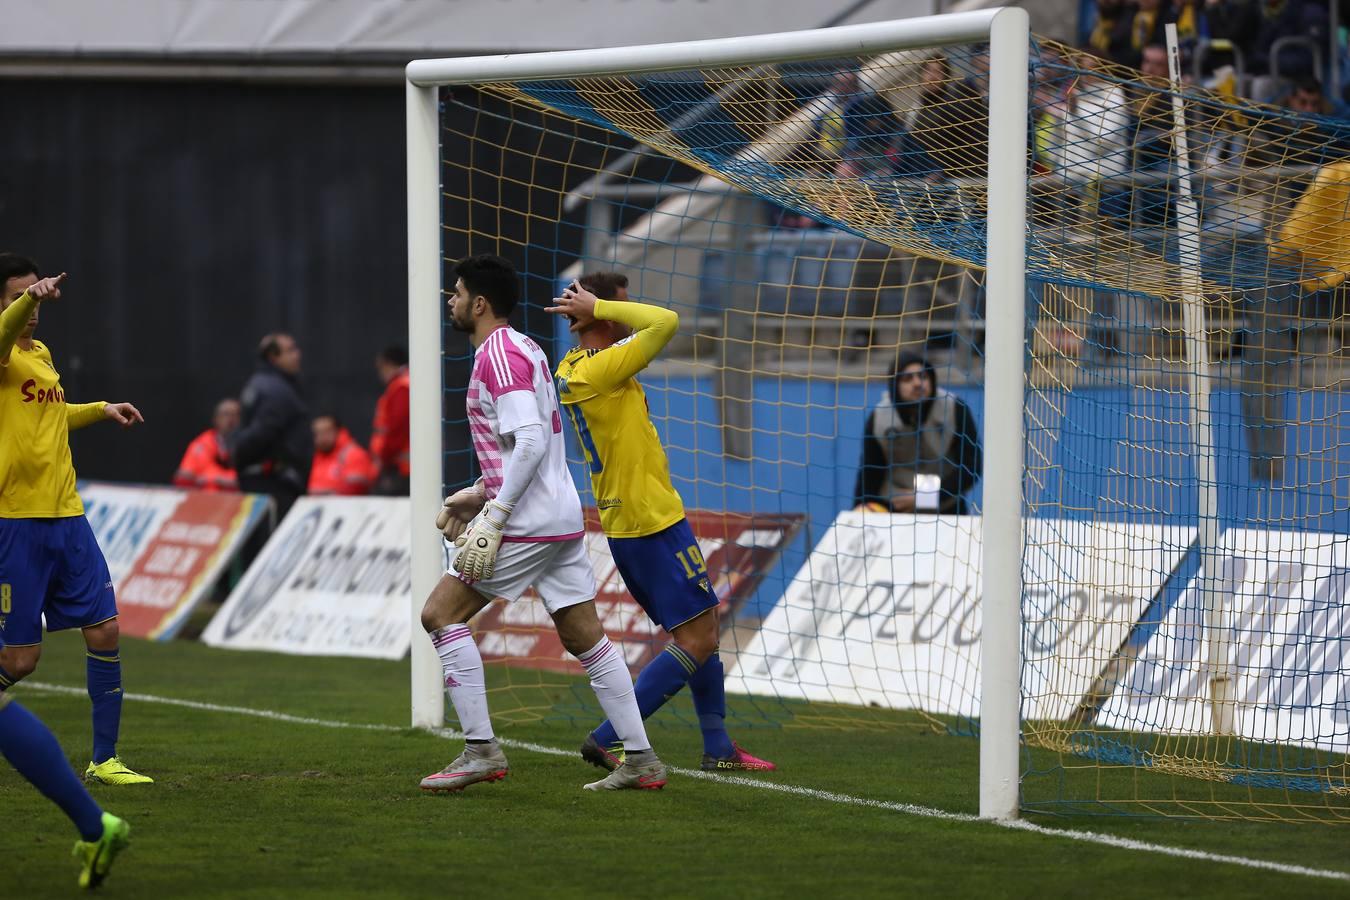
(808, 441)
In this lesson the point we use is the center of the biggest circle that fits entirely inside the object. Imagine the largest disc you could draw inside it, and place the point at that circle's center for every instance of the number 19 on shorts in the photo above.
(692, 559)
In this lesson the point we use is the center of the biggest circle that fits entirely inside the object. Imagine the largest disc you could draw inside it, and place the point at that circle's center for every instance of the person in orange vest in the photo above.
(341, 465)
(204, 466)
(389, 438)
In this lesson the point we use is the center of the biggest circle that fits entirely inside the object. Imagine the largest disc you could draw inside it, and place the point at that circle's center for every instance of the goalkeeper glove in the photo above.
(479, 545)
(459, 510)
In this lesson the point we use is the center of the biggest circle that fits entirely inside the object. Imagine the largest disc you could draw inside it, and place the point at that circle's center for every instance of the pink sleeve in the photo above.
(508, 369)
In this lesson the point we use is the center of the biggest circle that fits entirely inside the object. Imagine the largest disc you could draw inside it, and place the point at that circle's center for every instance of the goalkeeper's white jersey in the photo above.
(512, 386)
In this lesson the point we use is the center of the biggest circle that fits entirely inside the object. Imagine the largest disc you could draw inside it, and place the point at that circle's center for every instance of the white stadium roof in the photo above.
(94, 33)
(347, 40)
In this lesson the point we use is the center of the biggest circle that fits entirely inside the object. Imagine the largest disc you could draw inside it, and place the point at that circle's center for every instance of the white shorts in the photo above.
(559, 570)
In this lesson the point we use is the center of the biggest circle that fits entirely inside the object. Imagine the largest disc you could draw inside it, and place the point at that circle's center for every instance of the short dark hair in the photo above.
(604, 285)
(493, 277)
(394, 354)
(1309, 84)
(269, 348)
(325, 414)
(12, 265)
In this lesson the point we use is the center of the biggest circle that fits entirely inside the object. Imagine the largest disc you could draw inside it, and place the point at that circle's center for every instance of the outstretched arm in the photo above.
(12, 321)
(78, 415)
(16, 315)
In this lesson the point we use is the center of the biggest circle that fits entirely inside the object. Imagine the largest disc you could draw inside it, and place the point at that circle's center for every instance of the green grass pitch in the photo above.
(255, 807)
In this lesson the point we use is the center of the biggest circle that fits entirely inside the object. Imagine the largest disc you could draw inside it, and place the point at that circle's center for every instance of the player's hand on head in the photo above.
(577, 303)
(123, 414)
(45, 289)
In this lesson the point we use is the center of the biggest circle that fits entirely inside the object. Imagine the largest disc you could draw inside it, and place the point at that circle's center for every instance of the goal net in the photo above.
(1173, 460)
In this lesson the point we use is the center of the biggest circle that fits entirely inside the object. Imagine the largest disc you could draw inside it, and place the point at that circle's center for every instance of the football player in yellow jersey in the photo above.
(640, 511)
(50, 563)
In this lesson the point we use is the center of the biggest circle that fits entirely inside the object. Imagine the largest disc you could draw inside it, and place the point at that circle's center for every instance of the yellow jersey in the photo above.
(37, 477)
(630, 474)
(1318, 228)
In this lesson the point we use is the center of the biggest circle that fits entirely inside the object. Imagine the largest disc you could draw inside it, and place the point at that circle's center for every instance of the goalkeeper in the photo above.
(643, 517)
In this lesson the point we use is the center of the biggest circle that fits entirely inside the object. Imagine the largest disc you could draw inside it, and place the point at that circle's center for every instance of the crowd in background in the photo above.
(270, 442)
(1084, 125)
(1269, 37)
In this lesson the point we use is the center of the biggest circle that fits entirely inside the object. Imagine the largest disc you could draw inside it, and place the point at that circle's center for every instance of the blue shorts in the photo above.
(666, 574)
(51, 567)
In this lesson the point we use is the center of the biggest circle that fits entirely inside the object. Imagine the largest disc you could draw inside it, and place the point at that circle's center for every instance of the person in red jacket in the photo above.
(389, 439)
(341, 465)
(203, 464)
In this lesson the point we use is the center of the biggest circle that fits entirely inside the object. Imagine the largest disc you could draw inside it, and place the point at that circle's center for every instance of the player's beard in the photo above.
(459, 324)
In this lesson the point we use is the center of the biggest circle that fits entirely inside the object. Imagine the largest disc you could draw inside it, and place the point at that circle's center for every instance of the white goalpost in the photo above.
(1007, 33)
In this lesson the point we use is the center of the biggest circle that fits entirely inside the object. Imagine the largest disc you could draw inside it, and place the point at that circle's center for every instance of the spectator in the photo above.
(1048, 110)
(1153, 66)
(1152, 146)
(273, 447)
(341, 465)
(1110, 37)
(1094, 139)
(1146, 29)
(389, 437)
(827, 133)
(876, 144)
(1307, 97)
(205, 465)
(1192, 23)
(952, 122)
(1283, 140)
(921, 447)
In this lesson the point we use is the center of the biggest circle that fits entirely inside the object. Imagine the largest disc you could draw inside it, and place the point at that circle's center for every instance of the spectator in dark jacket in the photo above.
(1146, 28)
(1110, 36)
(951, 124)
(273, 448)
(921, 447)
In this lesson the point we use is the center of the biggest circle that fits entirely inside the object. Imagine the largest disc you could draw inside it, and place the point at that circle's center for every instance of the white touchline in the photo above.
(909, 809)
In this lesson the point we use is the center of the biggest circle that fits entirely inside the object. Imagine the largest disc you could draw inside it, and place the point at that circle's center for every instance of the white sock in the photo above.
(462, 667)
(613, 687)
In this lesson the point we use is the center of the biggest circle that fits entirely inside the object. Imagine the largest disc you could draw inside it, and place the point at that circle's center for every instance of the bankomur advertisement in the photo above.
(334, 580)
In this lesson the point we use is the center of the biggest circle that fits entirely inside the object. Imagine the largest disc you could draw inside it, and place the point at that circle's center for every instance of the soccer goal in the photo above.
(1126, 296)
